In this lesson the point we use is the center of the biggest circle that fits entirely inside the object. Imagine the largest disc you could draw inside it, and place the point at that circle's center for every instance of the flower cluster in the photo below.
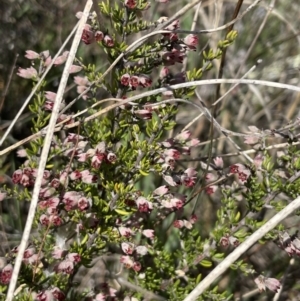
(90, 36)
(242, 171)
(133, 253)
(290, 244)
(6, 270)
(271, 283)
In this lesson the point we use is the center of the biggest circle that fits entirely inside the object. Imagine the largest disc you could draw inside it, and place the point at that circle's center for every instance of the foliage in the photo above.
(117, 197)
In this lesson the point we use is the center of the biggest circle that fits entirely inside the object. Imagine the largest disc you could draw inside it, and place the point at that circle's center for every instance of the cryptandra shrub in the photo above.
(118, 216)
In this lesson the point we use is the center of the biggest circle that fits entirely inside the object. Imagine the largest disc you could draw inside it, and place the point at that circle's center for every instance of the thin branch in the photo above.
(241, 249)
(45, 151)
(150, 93)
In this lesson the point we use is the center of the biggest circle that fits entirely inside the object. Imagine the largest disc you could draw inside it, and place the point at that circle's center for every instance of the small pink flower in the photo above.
(143, 114)
(100, 297)
(145, 80)
(47, 192)
(183, 136)
(50, 95)
(141, 250)
(127, 261)
(134, 81)
(271, 283)
(108, 41)
(130, 3)
(5, 274)
(162, 190)
(219, 162)
(84, 203)
(87, 34)
(29, 252)
(137, 266)
(251, 140)
(29, 73)
(189, 177)
(172, 57)
(58, 253)
(81, 81)
(65, 267)
(172, 180)
(224, 241)
(31, 55)
(193, 142)
(164, 72)
(21, 153)
(258, 160)
(143, 205)
(126, 232)
(191, 41)
(55, 220)
(174, 25)
(70, 199)
(149, 233)
(178, 224)
(75, 69)
(128, 248)
(45, 296)
(172, 153)
(211, 189)
(45, 54)
(58, 294)
(99, 36)
(17, 176)
(111, 157)
(47, 61)
(61, 59)
(125, 79)
(193, 218)
(74, 257)
(87, 177)
(233, 241)
(75, 175)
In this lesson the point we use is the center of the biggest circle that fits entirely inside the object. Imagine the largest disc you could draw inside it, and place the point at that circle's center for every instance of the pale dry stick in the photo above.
(143, 39)
(37, 86)
(222, 97)
(155, 92)
(45, 151)
(271, 6)
(246, 296)
(241, 249)
(184, 65)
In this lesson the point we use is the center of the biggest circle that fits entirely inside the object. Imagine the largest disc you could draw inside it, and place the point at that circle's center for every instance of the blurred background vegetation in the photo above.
(44, 25)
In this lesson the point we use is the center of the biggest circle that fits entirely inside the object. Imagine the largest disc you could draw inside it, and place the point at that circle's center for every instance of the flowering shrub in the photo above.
(93, 205)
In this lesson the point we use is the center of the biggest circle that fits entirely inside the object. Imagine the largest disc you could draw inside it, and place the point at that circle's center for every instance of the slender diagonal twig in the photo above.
(45, 151)
(241, 249)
